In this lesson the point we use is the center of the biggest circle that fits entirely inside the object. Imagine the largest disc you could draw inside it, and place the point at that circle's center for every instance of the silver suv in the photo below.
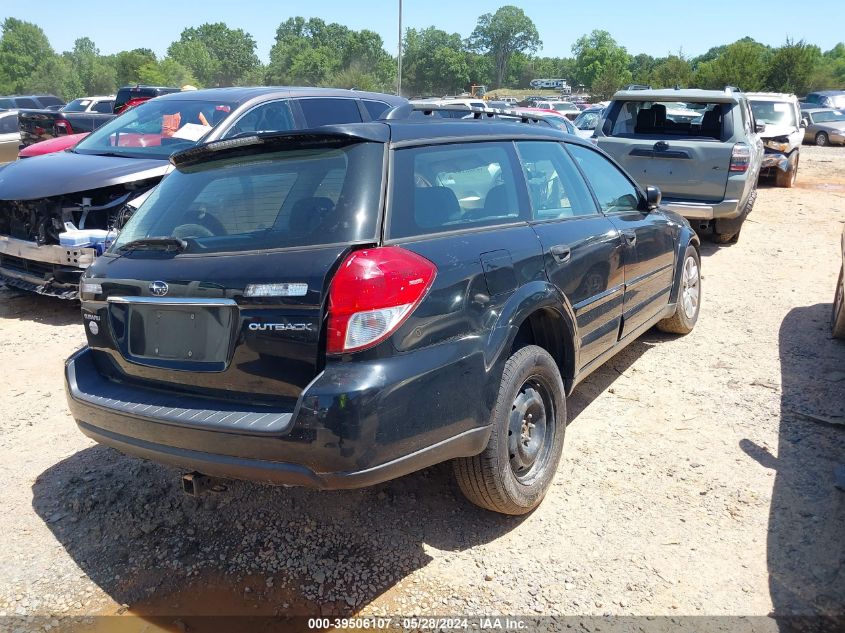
(700, 147)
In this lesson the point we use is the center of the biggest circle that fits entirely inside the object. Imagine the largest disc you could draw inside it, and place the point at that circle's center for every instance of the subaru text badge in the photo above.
(158, 288)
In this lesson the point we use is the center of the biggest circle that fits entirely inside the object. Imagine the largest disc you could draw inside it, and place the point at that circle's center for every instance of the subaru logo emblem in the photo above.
(158, 288)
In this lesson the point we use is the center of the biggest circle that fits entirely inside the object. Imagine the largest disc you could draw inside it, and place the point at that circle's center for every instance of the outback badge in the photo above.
(158, 288)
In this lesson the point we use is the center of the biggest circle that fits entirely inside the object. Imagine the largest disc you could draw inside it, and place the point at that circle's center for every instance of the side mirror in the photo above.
(759, 127)
(653, 196)
(804, 122)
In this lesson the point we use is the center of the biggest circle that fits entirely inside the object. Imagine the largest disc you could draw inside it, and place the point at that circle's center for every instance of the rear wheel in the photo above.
(822, 140)
(733, 237)
(837, 315)
(689, 296)
(787, 178)
(516, 469)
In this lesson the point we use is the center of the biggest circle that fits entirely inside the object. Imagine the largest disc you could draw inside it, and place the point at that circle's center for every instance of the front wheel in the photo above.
(837, 315)
(787, 178)
(689, 296)
(514, 472)
(822, 140)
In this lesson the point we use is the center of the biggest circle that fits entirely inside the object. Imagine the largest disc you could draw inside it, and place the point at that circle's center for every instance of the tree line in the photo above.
(499, 53)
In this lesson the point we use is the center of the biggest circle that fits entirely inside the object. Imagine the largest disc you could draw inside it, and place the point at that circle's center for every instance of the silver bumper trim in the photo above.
(48, 254)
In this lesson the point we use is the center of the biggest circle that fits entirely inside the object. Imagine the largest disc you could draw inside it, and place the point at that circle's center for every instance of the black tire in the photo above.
(686, 315)
(503, 478)
(837, 314)
(733, 238)
(787, 178)
(822, 140)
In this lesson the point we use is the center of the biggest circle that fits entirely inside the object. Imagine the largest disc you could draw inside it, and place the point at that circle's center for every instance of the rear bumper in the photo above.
(704, 210)
(351, 427)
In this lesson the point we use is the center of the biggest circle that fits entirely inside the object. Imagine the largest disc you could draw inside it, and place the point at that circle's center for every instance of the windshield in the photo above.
(285, 199)
(156, 129)
(77, 105)
(831, 116)
(774, 113)
(587, 120)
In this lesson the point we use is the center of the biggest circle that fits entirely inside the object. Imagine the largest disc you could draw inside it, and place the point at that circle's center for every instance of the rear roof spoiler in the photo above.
(328, 136)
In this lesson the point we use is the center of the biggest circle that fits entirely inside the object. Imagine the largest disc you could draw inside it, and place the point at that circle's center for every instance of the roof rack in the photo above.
(405, 111)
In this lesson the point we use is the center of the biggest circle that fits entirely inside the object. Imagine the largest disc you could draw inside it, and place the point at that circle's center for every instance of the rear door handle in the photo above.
(561, 253)
(630, 237)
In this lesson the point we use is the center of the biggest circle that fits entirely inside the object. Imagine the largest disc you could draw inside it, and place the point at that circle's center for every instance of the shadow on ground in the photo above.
(262, 550)
(21, 305)
(806, 539)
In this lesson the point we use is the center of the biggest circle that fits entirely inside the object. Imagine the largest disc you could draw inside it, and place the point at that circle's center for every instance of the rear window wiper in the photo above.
(167, 243)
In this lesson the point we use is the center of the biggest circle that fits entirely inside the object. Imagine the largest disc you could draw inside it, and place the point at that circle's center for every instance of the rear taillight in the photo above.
(740, 158)
(63, 127)
(372, 294)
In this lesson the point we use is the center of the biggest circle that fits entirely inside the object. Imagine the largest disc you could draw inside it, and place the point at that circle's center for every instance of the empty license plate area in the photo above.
(187, 333)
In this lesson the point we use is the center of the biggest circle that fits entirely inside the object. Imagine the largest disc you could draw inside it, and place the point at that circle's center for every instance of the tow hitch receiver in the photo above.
(194, 484)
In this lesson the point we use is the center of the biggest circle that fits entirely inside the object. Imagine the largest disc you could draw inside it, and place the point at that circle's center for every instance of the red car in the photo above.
(58, 144)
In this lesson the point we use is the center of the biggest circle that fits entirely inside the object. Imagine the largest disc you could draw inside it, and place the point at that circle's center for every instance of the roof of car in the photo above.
(827, 92)
(403, 132)
(680, 94)
(771, 96)
(241, 95)
(814, 110)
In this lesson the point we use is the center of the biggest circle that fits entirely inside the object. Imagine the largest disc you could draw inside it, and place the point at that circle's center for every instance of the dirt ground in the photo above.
(698, 477)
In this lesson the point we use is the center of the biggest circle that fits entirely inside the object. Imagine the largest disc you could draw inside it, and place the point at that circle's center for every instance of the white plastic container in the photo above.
(82, 238)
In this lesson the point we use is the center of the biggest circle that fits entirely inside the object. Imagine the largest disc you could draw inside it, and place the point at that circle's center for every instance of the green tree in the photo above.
(96, 74)
(601, 63)
(792, 67)
(56, 75)
(742, 64)
(312, 52)
(215, 54)
(127, 65)
(671, 71)
(502, 34)
(167, 72)
(23, 48)
(641, 67)
(434, 62)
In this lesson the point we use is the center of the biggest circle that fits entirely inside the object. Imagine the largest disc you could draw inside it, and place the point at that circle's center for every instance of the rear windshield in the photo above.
(156, 129)
(774, 113)
(831, 116)
(670, 118)
(283, 199)
(77, 105)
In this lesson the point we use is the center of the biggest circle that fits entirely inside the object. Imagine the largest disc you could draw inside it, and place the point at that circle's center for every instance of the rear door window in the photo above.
(23, 102)
(669, 118)
(48, 100)
(453, 187)
(329, 111)
(555, 187)
(273, 116)
(615, 193)
(104, 107)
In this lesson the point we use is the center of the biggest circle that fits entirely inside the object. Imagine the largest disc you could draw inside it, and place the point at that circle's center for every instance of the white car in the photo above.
(782, 136)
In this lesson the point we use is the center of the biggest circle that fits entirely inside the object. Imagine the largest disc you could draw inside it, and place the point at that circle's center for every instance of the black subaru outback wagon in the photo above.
(341, 306)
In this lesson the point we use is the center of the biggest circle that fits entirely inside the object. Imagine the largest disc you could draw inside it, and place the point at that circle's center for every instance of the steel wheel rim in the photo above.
(821, 140)
(531, 429)
(691, 290)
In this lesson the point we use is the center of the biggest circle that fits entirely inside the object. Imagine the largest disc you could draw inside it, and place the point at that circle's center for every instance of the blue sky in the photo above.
(664, 26)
